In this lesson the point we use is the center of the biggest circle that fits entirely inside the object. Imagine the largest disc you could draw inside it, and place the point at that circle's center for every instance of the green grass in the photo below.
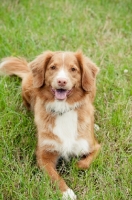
(103, 30)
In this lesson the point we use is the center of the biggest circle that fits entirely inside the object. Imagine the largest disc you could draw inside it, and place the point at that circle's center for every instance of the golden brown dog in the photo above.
(60, 88)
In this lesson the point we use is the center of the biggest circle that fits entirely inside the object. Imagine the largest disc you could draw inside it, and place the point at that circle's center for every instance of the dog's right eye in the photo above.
(53, 67)
(73, 69)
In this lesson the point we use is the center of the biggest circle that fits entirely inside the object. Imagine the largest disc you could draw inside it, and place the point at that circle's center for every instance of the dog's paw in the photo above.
(83, 164)
(69, 195)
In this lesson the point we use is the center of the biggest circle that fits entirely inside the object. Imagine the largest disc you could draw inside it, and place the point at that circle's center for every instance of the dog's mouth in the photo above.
(61, 94)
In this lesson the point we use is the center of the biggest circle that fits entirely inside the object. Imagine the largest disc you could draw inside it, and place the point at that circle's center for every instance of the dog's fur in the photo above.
(60, 88)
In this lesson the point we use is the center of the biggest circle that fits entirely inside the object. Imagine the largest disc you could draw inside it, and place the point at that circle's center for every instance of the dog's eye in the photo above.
(53, 67)
(73, 69)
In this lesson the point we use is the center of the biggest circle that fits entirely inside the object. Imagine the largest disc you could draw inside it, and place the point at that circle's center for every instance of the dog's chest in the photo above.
(66, 128)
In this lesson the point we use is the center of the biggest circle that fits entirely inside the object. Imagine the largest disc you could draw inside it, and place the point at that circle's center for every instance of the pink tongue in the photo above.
(60, 94)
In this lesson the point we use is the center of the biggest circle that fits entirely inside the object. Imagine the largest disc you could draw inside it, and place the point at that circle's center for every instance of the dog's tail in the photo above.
(14, 66)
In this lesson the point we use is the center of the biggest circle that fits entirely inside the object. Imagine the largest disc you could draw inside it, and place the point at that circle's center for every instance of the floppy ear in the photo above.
(38, 67)
(89, 72)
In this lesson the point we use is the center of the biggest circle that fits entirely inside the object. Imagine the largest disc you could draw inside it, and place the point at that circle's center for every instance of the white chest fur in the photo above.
(66, 129)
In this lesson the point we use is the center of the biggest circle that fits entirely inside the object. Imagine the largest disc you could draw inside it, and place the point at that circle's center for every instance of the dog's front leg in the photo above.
(47, 161)
(85, 162)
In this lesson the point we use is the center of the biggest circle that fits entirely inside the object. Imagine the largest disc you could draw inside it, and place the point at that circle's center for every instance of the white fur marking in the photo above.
(62, 74)
(61, 106)
(69, 194)
(66, 129)
(63, 56)
(51, 142)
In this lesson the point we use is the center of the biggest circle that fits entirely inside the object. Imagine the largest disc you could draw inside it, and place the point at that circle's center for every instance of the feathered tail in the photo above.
(14, 66)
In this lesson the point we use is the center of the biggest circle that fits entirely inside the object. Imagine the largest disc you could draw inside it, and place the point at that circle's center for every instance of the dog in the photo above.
(59, 87)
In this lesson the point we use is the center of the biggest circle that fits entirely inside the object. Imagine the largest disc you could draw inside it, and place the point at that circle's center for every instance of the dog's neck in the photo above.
(59, 112)
(61, 107)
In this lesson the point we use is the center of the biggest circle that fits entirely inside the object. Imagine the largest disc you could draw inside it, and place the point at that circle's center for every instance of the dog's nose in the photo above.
(62, 81)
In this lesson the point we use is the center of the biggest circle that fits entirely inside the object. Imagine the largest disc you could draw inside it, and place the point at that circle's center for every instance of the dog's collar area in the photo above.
(60, 113)
(61, 107)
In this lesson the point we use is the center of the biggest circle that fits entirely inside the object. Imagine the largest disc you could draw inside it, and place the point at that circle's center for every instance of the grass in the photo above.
(102, 29)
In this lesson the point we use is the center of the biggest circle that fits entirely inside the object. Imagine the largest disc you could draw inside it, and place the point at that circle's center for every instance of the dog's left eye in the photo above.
(53, 67)
(73, 69)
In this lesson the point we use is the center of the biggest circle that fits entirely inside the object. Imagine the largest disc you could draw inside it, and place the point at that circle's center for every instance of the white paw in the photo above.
(69, 195)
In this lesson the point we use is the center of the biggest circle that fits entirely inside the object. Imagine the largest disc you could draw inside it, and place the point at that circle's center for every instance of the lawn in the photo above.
(102, 29)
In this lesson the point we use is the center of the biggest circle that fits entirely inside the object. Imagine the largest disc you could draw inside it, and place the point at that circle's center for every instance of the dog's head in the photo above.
(63, 73)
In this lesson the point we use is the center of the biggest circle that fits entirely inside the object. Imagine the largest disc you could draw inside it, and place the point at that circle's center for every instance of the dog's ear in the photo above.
(89, 71)
(38, 67)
